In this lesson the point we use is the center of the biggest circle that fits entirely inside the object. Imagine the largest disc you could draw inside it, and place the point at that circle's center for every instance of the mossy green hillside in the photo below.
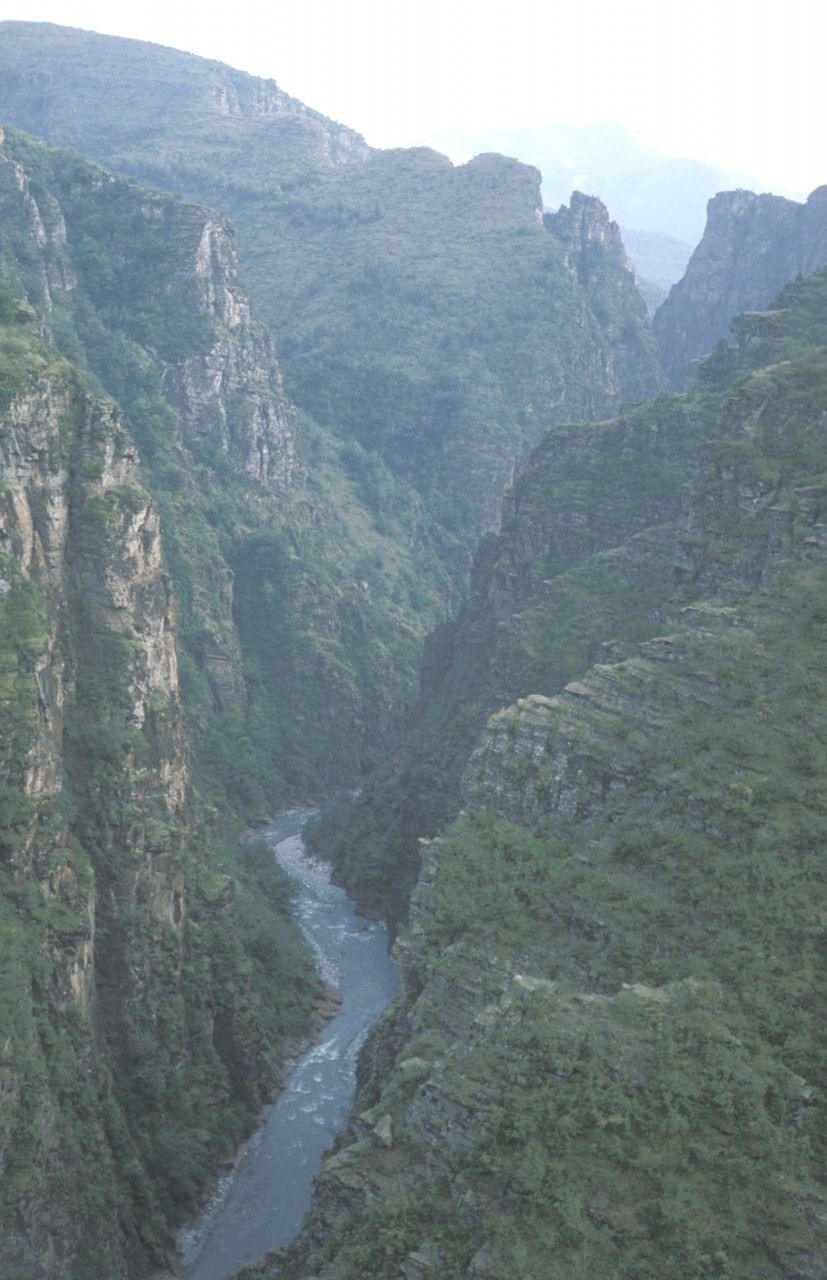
(611, 1056)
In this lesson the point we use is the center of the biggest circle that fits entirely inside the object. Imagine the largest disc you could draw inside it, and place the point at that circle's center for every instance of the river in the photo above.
(261, 1204)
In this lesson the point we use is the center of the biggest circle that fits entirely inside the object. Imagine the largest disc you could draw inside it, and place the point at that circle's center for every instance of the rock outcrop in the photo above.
(593, 251)
(91, 689)
(752, 247)
(230, 394)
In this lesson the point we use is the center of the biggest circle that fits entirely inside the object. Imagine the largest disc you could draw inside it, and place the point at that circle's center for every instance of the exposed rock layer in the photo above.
(753, 245)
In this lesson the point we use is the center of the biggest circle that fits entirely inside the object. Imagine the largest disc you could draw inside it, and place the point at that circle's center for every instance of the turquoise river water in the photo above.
(261, 1204)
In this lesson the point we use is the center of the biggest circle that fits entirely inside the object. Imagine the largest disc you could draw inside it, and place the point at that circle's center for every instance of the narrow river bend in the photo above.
(261, 1204)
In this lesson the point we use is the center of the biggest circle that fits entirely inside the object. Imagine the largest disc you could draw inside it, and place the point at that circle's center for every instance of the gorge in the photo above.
(412, 510)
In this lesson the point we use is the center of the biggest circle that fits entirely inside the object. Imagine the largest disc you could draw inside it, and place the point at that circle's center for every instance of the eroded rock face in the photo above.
(595, 255)
(110, 572)
(225, 388)
(80, 535)
(752, 247)
(231, 394)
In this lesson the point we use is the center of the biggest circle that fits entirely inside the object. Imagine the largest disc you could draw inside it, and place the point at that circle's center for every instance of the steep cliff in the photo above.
(290, 593)
(608, 1057)
(593, 251)
(582, 563)
(753, 245)
(128, 1065)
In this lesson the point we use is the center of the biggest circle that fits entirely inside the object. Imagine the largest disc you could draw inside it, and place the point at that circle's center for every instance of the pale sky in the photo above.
(737, 83)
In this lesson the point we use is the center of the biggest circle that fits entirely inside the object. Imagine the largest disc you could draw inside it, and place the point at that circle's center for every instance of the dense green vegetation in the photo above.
(421, 310)
(339, 621)
(151, 979)
(615, 1061)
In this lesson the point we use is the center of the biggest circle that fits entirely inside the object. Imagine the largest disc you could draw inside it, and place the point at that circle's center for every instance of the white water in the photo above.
(261, 1204)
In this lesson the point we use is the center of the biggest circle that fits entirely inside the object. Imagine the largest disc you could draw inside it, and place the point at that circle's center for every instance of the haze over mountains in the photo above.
(659, 201)
(645, 191)
(237, 526)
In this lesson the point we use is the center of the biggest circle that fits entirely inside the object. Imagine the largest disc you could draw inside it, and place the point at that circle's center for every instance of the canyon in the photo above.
(411, 511)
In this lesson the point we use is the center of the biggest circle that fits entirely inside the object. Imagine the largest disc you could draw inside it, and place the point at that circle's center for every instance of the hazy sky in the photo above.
(738, 83)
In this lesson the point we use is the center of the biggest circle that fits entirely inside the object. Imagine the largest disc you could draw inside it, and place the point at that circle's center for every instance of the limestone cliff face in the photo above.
(53, 522)
(752, 247)
(594, 253)
(231, 393)
(80, 534)
(224, 388)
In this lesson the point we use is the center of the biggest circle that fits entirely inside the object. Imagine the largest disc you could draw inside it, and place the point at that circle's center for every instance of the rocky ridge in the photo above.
(753, 246)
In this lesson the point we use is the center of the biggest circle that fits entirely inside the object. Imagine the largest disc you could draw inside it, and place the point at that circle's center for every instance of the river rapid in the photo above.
(262, 1202)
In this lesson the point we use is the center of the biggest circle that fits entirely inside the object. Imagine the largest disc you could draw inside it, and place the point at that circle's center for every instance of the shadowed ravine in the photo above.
(261, 1204)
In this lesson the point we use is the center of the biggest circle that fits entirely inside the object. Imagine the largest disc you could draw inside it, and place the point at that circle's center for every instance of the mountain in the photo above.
(598, 836)
(141, 292)
(608, 1055)
(194, 111)
(418, 307)
(752, 246)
